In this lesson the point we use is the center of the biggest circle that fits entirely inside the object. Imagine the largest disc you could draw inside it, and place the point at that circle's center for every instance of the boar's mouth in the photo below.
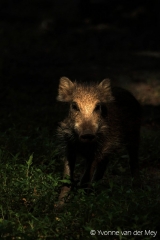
(87, 137)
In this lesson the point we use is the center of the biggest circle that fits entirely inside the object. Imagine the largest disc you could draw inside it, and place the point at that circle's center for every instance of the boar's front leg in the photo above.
(133, 149)
(69, 164)
(87, 176)
(94, 171)
(100, 169)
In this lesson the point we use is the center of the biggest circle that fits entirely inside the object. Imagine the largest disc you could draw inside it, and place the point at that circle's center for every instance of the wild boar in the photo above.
(101, 119)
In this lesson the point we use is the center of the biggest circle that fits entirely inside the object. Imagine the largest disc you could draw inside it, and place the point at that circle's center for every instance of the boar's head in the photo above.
(88, 107)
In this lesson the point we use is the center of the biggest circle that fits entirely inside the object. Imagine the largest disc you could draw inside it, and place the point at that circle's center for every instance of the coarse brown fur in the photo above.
(101, 120)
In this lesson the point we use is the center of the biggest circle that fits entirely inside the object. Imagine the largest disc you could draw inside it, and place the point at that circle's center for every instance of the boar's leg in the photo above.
(69, 164)
(100, 169)
(133, 156)
(87, 174)
(90, 165)
(133, 149)
(94, 171)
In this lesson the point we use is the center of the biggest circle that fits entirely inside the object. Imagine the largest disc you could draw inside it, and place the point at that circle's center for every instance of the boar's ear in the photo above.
(65, 90)
(105, 84)
(105, 89)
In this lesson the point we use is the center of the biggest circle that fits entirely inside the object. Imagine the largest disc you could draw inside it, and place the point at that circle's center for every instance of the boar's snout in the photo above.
(87, 137)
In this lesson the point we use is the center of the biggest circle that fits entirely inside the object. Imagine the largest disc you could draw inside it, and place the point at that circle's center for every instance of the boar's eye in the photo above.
(74, 106)
(97, 107)
(104, 110)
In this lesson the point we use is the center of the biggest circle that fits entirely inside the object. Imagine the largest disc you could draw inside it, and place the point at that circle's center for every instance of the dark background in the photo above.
(42, 40)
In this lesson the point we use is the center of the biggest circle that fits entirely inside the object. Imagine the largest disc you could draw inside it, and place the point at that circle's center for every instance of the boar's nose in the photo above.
(87, 137)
